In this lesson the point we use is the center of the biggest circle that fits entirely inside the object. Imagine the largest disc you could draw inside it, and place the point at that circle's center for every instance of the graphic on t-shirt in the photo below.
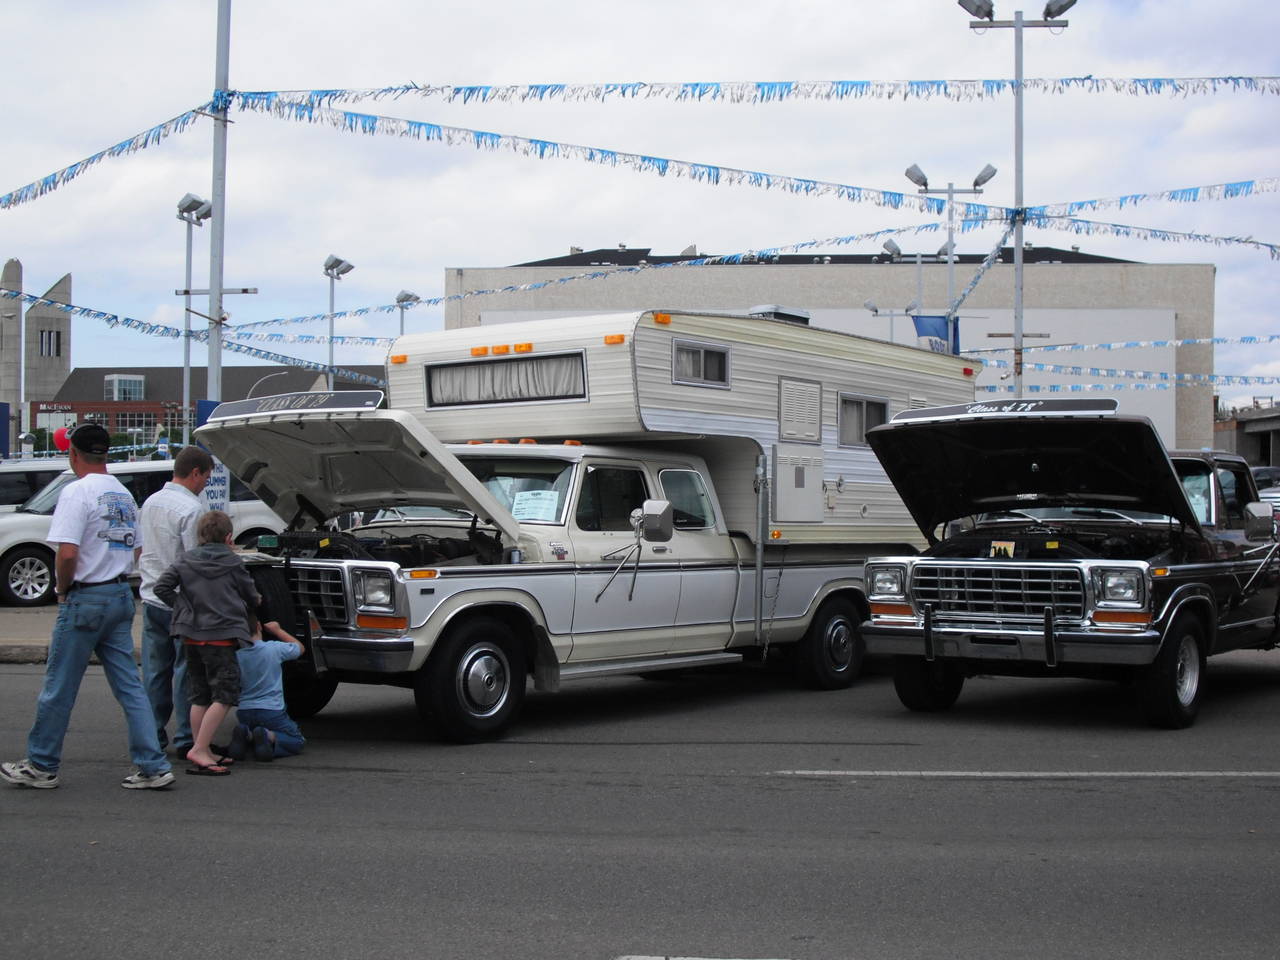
(119, 513)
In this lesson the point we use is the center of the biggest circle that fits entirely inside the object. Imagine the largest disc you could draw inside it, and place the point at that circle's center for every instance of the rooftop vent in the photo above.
(773, 311)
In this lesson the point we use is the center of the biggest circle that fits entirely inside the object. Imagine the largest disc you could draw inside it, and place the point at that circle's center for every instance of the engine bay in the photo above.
(1158, 544)
(468, 546)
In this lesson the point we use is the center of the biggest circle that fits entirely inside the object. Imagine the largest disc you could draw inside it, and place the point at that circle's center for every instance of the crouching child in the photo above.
(211, 594)
(262, 722)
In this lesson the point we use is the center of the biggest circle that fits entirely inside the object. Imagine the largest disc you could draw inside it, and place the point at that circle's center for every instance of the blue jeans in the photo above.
(93, 620)
(289, 739)
(164, 674)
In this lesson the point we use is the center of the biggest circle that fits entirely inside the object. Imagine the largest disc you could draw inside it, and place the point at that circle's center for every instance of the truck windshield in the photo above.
(533, 489)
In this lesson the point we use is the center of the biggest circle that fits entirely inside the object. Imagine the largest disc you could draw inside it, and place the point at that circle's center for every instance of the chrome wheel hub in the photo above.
(29, 578)
(1187, 682)
(483, 680)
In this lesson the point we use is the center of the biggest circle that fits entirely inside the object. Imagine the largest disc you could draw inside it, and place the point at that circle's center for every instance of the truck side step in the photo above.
(646, 665)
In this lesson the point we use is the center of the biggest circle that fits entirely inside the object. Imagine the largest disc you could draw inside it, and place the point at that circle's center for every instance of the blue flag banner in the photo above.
(932, 334)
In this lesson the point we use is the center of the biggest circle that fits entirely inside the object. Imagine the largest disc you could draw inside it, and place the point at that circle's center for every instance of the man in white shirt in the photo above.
(168, 521)
(95, 527)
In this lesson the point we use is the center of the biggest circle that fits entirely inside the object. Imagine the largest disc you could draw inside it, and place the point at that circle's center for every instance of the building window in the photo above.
(699, 364)
(557, 377)
(857, 416)
(142, 425)
(50, 343)
(124, 386)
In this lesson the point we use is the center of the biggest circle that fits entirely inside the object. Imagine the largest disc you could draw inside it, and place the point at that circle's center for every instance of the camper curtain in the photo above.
(504, 381)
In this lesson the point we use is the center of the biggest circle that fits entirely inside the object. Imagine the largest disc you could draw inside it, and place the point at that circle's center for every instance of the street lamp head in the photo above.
(405, 296)
(892, 248)
(946, 249)
(190, 203)
(870, 305)
(912, 307)
(916, 176)
(1056, 8)
(335, 267)
(985, 174)
(982, 9)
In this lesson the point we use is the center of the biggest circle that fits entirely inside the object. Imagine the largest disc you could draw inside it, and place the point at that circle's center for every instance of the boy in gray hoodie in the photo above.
(211, 594)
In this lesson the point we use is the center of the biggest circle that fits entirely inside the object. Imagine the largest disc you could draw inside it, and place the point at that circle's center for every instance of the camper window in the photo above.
(857, 416)
(608, 496)
(700, 364)
(558, 377)
(690, 503)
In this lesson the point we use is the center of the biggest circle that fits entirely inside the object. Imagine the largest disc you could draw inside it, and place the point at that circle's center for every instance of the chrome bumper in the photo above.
(370, 654)
(1048, 646)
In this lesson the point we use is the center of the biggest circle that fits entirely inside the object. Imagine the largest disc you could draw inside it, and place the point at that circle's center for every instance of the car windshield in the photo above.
(532, 489)
(46, 498)
(1048, 515)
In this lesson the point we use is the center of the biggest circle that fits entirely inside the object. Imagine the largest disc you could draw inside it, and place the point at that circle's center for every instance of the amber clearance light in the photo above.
(1125, 618)
(892, 610)
(371, 622)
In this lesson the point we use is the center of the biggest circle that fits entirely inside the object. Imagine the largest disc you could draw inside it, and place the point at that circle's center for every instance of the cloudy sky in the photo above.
(80, 76)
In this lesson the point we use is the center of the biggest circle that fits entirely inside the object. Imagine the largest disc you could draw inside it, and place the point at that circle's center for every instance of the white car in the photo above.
(21, 479)
(26, 558)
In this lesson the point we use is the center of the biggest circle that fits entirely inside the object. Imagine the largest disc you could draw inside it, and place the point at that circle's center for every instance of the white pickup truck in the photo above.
(478, 564)
(717, 497)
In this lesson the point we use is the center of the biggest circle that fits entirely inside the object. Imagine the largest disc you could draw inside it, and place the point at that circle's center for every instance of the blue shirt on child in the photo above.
(261, 680)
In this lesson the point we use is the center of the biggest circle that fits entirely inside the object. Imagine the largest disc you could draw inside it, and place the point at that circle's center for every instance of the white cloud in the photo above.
(404, 211)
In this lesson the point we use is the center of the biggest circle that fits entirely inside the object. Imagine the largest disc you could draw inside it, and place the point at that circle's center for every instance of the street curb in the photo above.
(24, 653)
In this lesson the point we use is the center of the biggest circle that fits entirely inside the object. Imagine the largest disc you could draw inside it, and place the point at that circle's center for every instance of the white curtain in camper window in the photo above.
(503, 381)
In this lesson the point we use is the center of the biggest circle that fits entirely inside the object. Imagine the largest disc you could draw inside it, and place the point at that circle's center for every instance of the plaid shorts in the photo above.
(213, 674)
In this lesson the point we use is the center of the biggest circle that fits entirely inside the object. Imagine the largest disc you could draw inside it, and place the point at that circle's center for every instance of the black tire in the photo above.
(306, 693)
(472, 687)
(926, 687)
(26, 577)
(829, 656)
(1170, 689)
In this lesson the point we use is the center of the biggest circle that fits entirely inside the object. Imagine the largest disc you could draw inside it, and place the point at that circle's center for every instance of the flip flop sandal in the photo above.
(210, 770)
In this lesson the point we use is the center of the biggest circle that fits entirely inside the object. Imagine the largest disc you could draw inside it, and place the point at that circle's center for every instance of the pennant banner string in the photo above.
(148, 138)
(162, 330)
(371, 124)
(1189, 379)
(1094, 228)
(771, 91)
(1135, 344)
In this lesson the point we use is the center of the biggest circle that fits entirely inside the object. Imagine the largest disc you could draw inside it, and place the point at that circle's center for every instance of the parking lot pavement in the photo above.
(25, 632)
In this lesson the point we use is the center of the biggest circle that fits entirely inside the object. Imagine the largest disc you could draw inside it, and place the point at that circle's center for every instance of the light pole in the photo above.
(1052, 10)
(334, 267)
(908, 311)
(916, 176)
(193, 212)
(278, 373)
(21, 317)
(403, 299)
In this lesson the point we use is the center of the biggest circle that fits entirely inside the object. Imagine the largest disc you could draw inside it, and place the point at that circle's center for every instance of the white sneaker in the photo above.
(140, 781)
(24, 774)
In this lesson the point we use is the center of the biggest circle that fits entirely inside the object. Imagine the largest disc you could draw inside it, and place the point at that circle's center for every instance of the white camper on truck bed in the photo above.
(582, 497)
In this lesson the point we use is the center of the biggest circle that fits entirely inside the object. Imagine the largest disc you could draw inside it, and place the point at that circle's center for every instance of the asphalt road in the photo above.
(724, 815)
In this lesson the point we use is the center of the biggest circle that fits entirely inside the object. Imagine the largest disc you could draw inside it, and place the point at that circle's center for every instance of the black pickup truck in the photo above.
(1065, 541)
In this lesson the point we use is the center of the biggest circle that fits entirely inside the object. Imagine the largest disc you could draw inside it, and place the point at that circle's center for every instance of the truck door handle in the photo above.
(659, 548)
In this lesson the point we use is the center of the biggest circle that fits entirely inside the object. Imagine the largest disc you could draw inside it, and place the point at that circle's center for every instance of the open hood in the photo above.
(311, 465)
(951, 462)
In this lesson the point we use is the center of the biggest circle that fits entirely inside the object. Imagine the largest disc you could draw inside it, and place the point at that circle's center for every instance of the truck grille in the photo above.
(321, 590)
(999, 591)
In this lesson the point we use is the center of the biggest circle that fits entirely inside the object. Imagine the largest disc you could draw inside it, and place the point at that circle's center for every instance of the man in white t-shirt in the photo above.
(95, 527)
(168, 520)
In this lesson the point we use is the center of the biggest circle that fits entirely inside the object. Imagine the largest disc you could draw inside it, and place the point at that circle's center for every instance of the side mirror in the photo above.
(1259, 521)
(652, 521)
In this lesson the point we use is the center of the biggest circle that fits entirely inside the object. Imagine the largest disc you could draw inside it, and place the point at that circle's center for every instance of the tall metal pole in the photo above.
(221, 82)
(186, 348)
(332, 280)
(1017, 203)
(951, 262)
(22, 372)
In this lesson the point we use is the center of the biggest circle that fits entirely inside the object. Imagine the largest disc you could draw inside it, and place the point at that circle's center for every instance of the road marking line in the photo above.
(631, 956)
(1039, 774)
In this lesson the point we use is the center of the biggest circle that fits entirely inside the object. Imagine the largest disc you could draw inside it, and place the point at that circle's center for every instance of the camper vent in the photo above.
(799, 410)
(773, 311)
(917, 403)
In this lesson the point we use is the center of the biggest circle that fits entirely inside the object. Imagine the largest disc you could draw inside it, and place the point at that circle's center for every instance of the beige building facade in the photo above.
(1069, 298)
(47, 335)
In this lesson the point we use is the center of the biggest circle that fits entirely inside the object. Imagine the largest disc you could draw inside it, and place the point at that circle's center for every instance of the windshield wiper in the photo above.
(1102, 514)
(1017, 513)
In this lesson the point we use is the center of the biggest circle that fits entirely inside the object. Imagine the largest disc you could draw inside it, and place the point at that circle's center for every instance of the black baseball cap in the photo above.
(91, 438)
